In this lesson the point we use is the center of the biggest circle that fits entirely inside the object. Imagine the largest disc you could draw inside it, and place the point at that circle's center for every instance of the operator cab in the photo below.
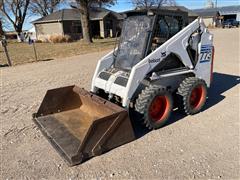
(144, 31)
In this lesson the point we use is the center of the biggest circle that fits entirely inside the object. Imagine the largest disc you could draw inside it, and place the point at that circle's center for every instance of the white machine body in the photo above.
(177, 44)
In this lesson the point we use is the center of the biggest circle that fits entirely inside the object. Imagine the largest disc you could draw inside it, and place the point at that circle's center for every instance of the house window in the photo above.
(108, 28)
(108, 24)
(76, 27)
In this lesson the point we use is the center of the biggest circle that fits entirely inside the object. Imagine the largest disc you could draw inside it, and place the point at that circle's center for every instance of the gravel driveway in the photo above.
(202, 146)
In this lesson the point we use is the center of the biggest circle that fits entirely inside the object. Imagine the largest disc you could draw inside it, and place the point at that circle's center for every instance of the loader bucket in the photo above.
(81, 125)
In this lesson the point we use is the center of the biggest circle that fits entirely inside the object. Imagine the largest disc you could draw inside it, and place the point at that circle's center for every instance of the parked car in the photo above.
(230, 23)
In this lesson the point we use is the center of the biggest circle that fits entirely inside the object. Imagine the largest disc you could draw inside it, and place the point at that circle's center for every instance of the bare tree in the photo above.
(1, 29)
(44, 7)
(84, 7)
(146, 4)
(4, 23)
(15, 12)
(1, 19)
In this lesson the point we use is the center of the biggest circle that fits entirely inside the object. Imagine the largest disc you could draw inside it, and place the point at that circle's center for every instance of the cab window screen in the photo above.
(133, 41)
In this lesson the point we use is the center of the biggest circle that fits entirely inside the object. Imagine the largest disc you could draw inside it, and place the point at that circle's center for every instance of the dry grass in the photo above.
(23, 53)
(54, 39)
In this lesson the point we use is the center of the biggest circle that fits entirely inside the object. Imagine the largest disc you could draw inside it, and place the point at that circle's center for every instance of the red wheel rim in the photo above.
(159, 108)
(197, 97)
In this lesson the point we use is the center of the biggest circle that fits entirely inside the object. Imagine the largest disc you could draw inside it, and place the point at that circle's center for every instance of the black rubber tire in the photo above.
(185, 90)
(144, 101)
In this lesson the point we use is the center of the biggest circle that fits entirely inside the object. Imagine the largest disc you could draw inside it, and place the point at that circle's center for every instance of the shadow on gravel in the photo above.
(50, 59)
(4, 65)
(221, 83)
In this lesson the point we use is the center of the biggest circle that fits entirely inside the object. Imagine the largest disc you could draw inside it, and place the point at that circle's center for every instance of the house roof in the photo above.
(170, 8)
(73, 14)
(229, 10)
(211, 12)
(191, 13)
(100, 13)
(62, 15)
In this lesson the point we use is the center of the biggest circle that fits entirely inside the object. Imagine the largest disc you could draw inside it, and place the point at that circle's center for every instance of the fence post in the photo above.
(30, 41)
(35, 52)
(4, 45)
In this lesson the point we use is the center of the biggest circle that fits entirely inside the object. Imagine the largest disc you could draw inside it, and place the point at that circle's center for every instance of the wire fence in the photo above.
(20, 53)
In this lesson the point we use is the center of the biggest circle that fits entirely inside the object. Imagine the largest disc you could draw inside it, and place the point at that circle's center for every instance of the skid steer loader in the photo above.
(160, 63)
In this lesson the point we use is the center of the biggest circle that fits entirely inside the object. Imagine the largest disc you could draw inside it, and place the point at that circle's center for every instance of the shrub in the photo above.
(68, 38)
(43, 38)
(60, 38)
(56, 38)
(38, 41)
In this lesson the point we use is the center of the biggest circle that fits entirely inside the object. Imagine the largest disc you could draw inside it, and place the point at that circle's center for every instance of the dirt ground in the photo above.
(203, 146)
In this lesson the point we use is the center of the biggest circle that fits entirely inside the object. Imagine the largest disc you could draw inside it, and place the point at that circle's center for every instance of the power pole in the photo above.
(216, 4)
